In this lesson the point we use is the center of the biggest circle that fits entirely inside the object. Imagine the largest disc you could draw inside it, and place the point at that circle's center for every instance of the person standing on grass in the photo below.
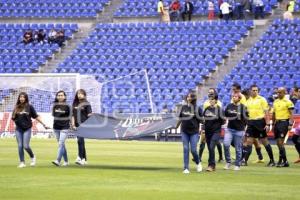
(61, 112)
(82, 110)
(296, 141)
(22, 115)
(190, 118)
(212, 94)
(237, 115)
(283, 123)
(258, 124)
(213, 122)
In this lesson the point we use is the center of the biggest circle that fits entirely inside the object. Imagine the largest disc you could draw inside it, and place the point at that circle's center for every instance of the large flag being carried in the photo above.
(124, 126)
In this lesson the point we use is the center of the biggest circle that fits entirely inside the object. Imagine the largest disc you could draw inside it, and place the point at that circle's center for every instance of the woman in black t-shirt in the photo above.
(190, 118)
(22, 115)
(61, 112)
(237, 116)
(82, 110)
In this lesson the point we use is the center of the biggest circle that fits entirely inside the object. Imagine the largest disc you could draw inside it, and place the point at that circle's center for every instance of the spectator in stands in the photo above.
(283, 123)
(61, 112)
(259, 9)
(239, 8)
(190, 118)
(41, 36)
(175, 10)
(60, 38)
(225, 10)
(188, 9)
(295, 95)
(211, 10)
(22, 115)
(52, 36)
(28, 37)
(160, 10)
(289, 10)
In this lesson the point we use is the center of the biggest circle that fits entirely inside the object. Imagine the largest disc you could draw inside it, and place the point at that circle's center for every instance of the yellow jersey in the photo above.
(282, 108)
(207, 104)
(257, 107)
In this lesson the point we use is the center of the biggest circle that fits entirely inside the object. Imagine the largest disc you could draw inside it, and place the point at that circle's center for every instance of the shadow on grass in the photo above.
(112, 167)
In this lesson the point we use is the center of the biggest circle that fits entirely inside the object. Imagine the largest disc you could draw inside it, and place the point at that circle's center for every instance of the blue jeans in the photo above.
(187, 140)
(237, 138)
(23, 140)
(212, 140)
(61, 136)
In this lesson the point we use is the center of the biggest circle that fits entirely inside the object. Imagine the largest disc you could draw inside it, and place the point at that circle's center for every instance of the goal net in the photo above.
(41, 90)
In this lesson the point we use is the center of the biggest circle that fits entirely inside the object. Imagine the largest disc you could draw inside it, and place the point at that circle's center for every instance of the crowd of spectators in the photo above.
(41, 37)
(226, 9)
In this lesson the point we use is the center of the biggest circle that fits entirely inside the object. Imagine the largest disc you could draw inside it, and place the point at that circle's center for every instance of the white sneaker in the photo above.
(186, 171)
(56, 163)
(84, 162)
(237, 168)
(77, 159)
(199, 167)
(65, 164)
(33, 161)
(227, 166)
(21, 165)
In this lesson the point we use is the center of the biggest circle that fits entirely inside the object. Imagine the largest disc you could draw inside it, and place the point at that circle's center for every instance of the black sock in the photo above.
(282, 154)
(248, 151)
(201, 149)
(269, 151)
(297, 146)
(219, 146)
(258, 152)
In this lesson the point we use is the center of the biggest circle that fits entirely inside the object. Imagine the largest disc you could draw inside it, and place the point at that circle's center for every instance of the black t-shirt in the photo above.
(213, 120)
(81, 112)
(23, 119)
(62, 116)
(237, 116)
(190, 117)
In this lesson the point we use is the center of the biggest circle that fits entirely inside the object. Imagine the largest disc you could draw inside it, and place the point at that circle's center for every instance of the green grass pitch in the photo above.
(137, 170)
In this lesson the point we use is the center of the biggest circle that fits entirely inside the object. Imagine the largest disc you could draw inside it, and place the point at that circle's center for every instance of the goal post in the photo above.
(41, 89)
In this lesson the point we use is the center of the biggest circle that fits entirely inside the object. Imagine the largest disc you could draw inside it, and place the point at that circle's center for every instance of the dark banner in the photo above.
(124, 126)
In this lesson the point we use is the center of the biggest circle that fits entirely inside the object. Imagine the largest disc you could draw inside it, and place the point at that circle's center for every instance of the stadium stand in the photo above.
(272, 62)
(147, 8)
(51, 8)
(174, 54)
(16, 57)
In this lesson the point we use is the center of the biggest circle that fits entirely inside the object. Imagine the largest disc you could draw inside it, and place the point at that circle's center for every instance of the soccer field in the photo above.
(137, 170)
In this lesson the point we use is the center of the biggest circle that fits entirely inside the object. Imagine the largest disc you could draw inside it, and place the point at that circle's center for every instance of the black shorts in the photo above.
(256, 129)
(281, 128)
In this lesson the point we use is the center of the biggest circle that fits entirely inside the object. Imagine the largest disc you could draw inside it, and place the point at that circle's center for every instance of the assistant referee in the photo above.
(283, 122)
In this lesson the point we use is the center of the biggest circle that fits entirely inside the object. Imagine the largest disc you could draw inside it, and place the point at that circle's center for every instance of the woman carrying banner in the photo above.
(82, 110)
(22, 115)
(190, 118)
(61, 112)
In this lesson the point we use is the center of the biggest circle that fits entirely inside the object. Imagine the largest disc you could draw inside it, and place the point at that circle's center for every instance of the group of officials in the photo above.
(249, 119)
